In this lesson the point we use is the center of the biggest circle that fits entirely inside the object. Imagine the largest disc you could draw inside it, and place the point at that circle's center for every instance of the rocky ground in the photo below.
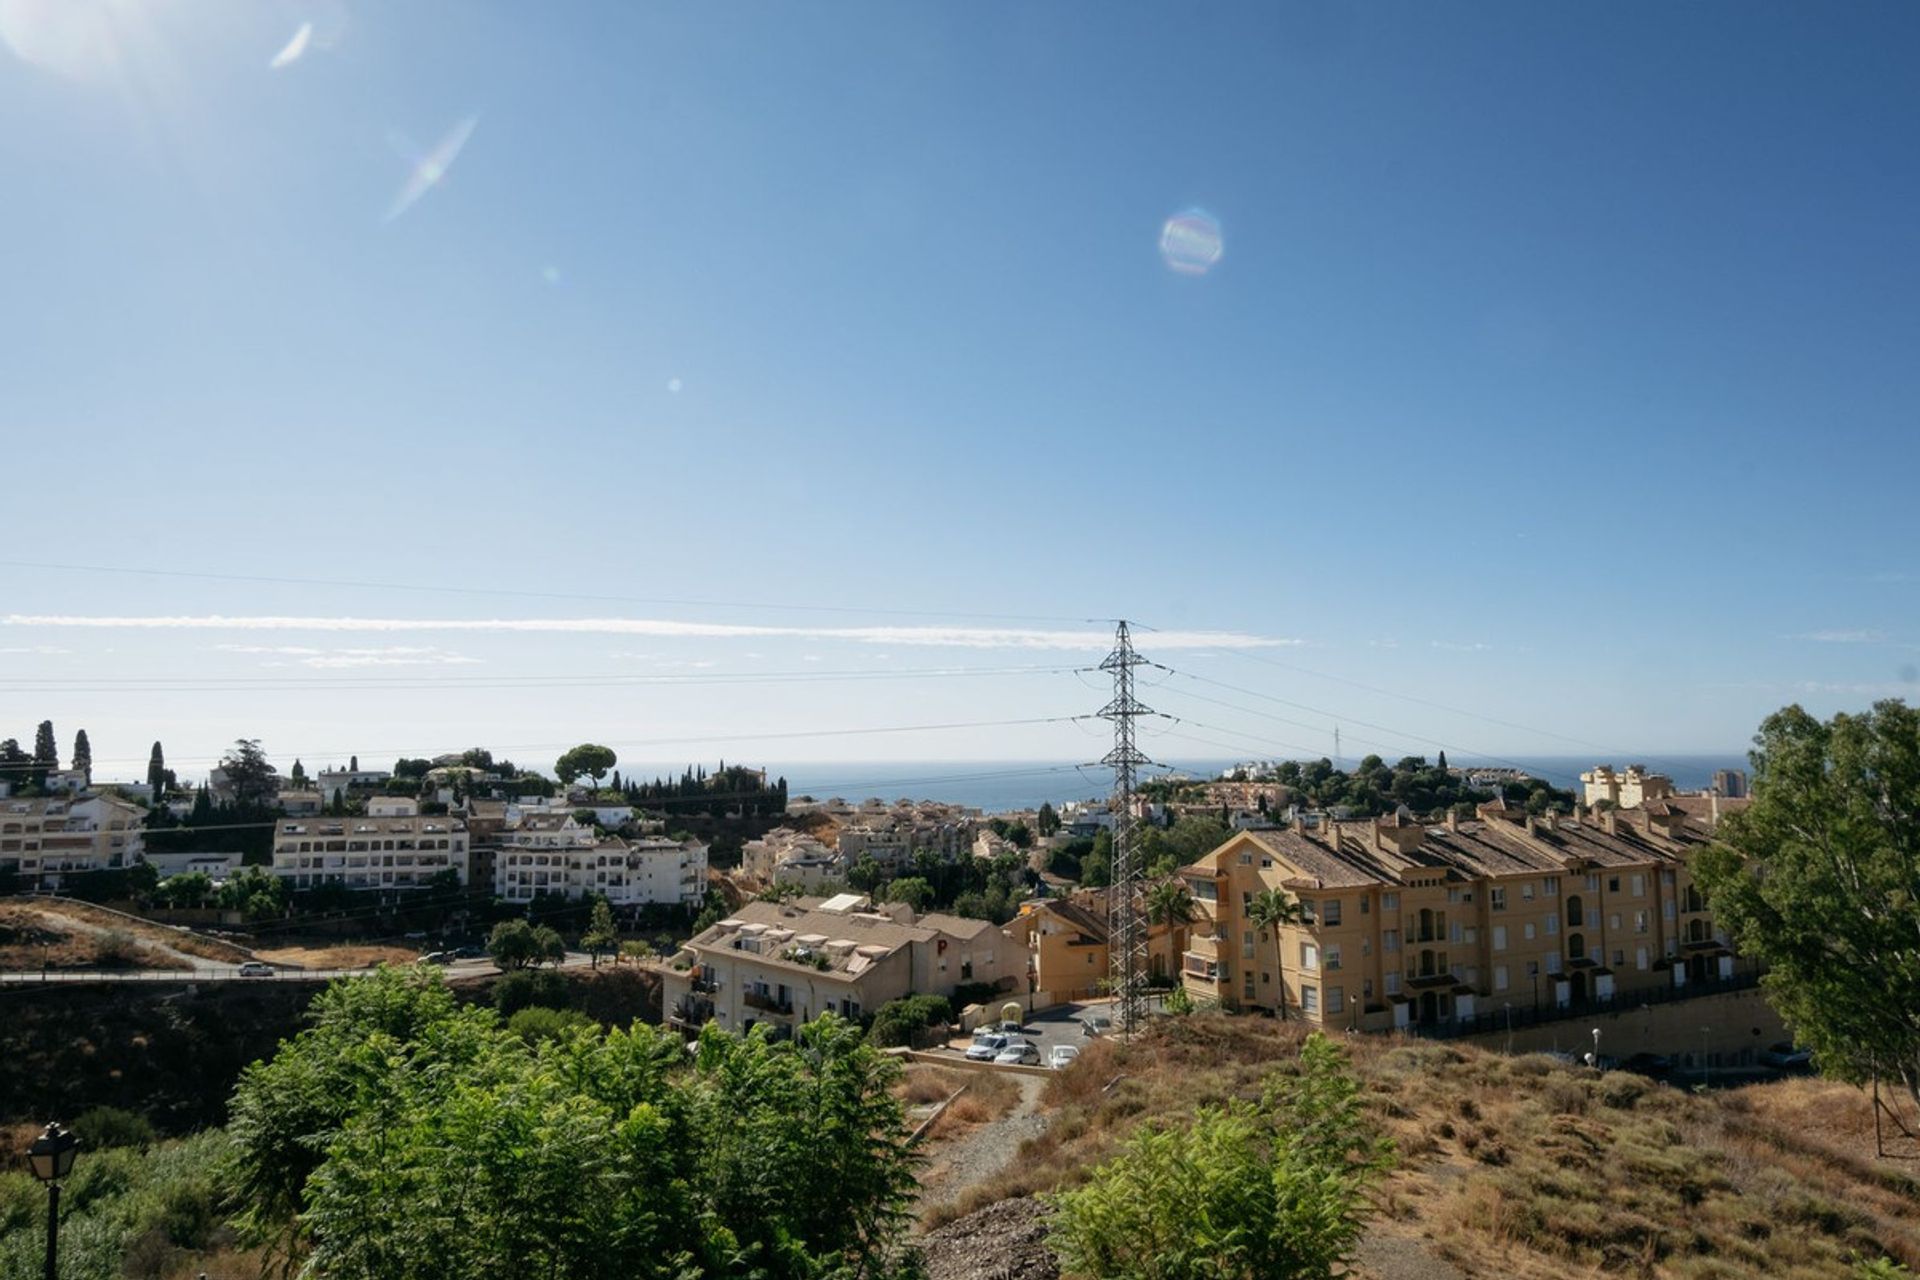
(1004, 1241)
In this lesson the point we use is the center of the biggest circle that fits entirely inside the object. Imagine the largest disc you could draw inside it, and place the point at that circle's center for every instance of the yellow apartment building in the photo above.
(1408, 924)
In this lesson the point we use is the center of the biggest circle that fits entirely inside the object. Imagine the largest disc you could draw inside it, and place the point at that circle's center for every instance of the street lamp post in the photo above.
(1596, 1048)
(1706, 1064)
(51, 1159)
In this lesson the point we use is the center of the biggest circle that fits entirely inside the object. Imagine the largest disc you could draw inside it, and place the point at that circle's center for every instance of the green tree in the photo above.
(547, 946)
(589, 759)
(1270, 910)
(898, 1021)
(82, 753)
(298, 774)
(1819, 879)
(913, 891)
(46, 751)
(250, 778)
(1096, 867)
(1047, 820)
(601, 934)
(189, 889)
(1245, 1191)
(157, 776)
(1169, 903)
(511, 945)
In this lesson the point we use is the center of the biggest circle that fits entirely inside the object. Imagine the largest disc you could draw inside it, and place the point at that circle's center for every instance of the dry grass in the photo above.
(338, 957)
(1524, 1167)
(31, 939)
(989, 1095)
(182, 940)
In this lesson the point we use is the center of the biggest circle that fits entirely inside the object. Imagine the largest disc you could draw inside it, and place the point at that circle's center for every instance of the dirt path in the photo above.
(148, 938)
(967, 1161)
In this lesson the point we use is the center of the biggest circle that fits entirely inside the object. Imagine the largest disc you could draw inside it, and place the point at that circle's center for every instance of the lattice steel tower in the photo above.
(1126, 912)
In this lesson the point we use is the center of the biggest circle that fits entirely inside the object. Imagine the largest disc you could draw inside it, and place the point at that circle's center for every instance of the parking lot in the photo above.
(1049, 1027)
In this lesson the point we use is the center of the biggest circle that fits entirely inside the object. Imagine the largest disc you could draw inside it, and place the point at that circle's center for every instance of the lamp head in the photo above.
(52, 1154)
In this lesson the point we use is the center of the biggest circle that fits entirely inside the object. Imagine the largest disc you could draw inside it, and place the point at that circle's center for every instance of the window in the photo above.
(1639, 886)
(1499, 977)
(1366, 946)
(1246, 900)
(1393, 983)
(1613, 921)
(1533, 968)
(1366, 989)
(1640, 958)
(1526, 892)
(1639, 922)
(1553, 962)
(1453, 896)
(1366, 905)
(1306, 911)
(1619, 957)
(1310, 1000)
(1613, 884)
(1527, 930)
(1246, 859)
(1499, 937)
(1550, 886)
(1497, 898)
(1389, 939)
(1336, 999)
(1593, 881)
(1389, 902)
(1553, 926)
(1246, 942)
(1454, 933)
(1309, 957)
(1666, 878)
(1330, 912)
(1333, 957)
(1666, 909)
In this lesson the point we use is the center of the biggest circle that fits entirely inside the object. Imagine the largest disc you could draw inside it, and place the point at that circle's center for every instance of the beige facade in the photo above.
(43, 839)
(1409, 924)
(1633, 789)
(368, 852)
(552, 853)
(786, 963)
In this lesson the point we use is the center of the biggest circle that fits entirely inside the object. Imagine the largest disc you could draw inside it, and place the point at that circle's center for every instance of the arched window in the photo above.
(1428, 965)
(1573, 910)
(1576, 946)
(1426, 924)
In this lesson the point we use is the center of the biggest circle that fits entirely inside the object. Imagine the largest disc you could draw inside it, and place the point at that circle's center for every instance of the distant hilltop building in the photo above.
(1633, 789)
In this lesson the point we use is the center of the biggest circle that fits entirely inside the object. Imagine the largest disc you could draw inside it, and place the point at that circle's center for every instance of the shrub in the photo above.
(1245, 1191)
(536, 1023)
(898, 1021)
(529, 988)
(101, 1127)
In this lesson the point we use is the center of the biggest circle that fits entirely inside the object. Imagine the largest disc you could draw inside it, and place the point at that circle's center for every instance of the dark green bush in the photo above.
(101, 1127)
(529, 988)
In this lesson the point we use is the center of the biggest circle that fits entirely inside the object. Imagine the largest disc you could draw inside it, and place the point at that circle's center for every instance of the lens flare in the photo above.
(674, 385)
(1190, 242)
(430, 169)
(294, 48)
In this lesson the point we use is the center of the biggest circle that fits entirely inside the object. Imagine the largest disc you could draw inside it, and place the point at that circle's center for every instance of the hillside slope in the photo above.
(1516, 1166)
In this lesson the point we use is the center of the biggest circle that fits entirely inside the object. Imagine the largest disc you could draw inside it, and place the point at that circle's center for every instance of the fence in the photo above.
(1516, 1017)
(216, 973)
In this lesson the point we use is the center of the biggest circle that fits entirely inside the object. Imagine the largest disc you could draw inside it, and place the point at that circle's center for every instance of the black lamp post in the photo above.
(51, 1159)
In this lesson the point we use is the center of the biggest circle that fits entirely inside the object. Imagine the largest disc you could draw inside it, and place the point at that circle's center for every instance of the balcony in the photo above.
(768, 1002)
(707, 985)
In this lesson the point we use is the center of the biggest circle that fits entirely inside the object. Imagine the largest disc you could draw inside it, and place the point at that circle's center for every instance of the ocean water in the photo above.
(996, 785)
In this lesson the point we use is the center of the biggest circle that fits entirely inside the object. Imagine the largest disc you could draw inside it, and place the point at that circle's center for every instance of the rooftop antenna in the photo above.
(1336, 746)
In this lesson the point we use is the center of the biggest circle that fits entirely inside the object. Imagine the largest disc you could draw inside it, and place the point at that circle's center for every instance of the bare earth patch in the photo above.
(340, 957)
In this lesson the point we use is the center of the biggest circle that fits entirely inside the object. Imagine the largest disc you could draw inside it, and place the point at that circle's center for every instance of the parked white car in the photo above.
(1019, 1053)
(1060, 1055)
(256, 969)
(985, 1048)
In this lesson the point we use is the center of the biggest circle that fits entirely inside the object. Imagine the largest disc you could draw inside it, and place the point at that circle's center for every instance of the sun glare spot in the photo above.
(290, 53)
(1190, 242)
(431, 169)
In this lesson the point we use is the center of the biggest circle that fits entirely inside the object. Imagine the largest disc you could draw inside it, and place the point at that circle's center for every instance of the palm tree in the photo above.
(1270, 909)
(1170, 904)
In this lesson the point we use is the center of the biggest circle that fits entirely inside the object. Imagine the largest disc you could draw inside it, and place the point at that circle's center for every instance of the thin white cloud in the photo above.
(1842, 637)
(1452, 646)
(294, 48)
(334, 659)
(35, 648)
(925, 636)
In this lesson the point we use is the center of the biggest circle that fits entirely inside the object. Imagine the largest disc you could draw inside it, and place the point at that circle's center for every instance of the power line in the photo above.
(253, 684)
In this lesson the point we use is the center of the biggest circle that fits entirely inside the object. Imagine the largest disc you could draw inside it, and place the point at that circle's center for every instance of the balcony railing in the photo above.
(767, 1001)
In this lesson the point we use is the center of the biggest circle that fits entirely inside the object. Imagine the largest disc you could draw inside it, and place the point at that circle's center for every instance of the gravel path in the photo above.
(966, 1162)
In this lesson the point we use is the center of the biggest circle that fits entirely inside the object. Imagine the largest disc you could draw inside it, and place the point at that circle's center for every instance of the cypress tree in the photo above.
(83, 754)
(45, 750)
(157, 771)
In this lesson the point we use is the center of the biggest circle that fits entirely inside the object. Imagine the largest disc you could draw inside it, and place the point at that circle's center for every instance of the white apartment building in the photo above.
(43, 839)
(763, 858)
(335, 783)
(369, 852)
(555, 854)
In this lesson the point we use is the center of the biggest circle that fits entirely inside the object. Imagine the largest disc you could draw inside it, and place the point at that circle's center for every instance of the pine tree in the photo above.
(1443, 762)
(45, 750)
(298, 773)
(83, 754)
(157, 771)
(353, 764)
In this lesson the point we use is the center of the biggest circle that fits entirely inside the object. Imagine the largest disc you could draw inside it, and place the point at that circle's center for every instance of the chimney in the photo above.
(1612, 822)
(1453, 820)
(1531, 828)
(1713, 807)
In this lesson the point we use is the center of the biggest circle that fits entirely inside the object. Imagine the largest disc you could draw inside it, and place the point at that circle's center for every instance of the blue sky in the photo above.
(1557, 367)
